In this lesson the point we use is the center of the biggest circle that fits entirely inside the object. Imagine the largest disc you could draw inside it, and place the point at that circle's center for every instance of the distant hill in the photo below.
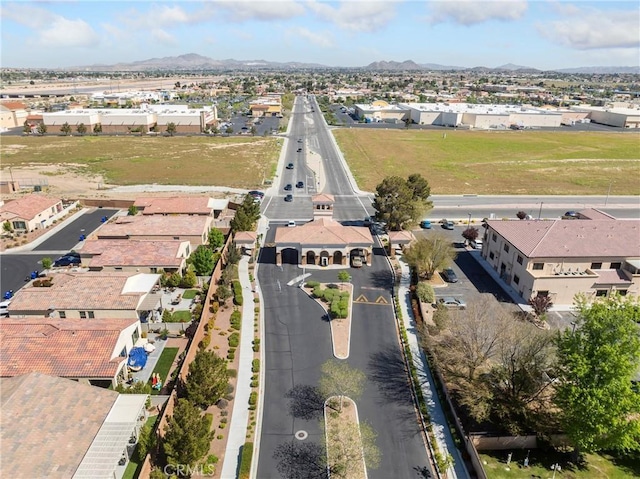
(195, 62)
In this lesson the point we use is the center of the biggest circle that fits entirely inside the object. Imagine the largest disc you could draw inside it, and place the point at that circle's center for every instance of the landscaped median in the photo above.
(335, 298)
(345, 454)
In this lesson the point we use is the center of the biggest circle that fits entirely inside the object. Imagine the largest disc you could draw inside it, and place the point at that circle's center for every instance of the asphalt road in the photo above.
(297, 334)
(16, 267)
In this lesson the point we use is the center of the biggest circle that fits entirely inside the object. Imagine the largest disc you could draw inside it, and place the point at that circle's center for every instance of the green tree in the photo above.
(187, 435)
(207, 379)
(229, 130)
(348, 444)
(65, 128)
(425, 292)
(216, 238)
(340, 379)
(401, 203)
(598, 361)
(133, 210)
(246, 215)
(7, 226)
(146, 441)
(253, 130)
(189, 279)
(429, 254)
(223, 293)
(42, 128)
(202, 260)
(97, 128)
(81, 129)
(26, 127)
(171, 128)
(344, 276)
(233, 254)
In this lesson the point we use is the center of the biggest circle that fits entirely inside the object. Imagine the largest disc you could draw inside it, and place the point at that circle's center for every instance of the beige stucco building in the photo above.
(31, 212)
(561, 258)
(323, 241)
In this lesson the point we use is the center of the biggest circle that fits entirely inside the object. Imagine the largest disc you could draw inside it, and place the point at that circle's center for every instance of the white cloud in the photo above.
(471, 12)
(162, 37)
(244, 10)
(589, 28)
(322, 39)
(158, 17)
(30, 16)
(357, 16)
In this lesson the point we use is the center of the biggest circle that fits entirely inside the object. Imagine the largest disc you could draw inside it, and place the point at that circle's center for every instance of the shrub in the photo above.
(236, 320)
(234, 340)
(215, 306)
(253, 398)
(245, 461)
(231, 356)
(237, 293)
(222, 403)
(206, 341)
(312, 284)
(232, 373)
(254, 384)
(425, 292)
(255, 366)
(317, 291)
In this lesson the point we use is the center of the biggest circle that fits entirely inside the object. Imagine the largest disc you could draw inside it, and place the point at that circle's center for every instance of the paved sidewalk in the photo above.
(443, 436)
(240, 414)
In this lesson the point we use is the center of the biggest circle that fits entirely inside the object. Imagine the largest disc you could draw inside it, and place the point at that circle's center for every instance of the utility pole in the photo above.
(608, 193)
(540, 211)
(469, 221)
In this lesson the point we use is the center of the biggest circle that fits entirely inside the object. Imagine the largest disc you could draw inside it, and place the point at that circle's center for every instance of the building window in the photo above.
(543, 294)
(491, 255)
(538, 266)
(62, 314)
(153, 270)
(596, 265)
(135, 336)
(516, 279)
(519, 259)
(91, 315)
(622, 292)
(506, 248)
(178, 237)
(83, 315)
(118, 268)
(601, 292)
(616, 265)
(123, 353)
(494, 237)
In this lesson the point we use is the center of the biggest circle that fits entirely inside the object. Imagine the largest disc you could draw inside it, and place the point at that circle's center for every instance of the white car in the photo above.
(291, 224)
(4, 308)
(452, 303)
(477, 244)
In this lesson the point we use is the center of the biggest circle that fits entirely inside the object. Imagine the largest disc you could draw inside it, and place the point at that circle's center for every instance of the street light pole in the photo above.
(540, 211)
(469, 221)
(608, 193)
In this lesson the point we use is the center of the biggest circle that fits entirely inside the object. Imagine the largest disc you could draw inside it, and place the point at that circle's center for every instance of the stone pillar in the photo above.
(303, 258)
(344, 259)
(392, 250)
(279, 259)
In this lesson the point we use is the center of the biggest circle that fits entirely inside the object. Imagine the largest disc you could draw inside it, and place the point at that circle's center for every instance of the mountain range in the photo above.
(195, 62)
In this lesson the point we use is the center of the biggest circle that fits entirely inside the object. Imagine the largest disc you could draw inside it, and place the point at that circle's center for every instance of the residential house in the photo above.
(144, 256)
(31, 212)
(561, 258)
(59, 429)
(88, 295)
(181, 205)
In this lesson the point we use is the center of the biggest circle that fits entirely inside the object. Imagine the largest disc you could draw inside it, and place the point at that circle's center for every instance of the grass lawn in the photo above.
(189, 294)
(597, 466)
(240, 162)
(164, 365)
(133, 468)
(497, 162)
(181, 316)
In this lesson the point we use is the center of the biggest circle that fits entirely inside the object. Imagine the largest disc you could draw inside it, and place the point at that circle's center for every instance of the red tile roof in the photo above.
(198, 205)
(78, 291)
(595, 214)
(132, 253)
(245, 237)
(572, 238)
(611, 276)
(72, 348)
(14, 105)
(324, 232)
(156, 226)
(29, 206)
(48, 424)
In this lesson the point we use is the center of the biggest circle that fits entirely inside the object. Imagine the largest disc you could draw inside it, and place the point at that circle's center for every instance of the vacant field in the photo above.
(240, 162)
(497, 162)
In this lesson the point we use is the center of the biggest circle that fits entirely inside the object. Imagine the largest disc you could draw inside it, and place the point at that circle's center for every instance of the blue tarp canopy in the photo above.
(137, 358)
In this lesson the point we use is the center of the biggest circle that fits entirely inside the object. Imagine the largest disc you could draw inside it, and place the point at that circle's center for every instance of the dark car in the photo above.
(66, 261)
(300, 184)
(448, 225)
(288, 187)
(288, 198)
(299, 150)
(290, 166)
(450, 276)
(570, 215)
(256, 194)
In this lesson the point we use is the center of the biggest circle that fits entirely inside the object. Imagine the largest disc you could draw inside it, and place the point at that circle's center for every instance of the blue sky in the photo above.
(537, 33)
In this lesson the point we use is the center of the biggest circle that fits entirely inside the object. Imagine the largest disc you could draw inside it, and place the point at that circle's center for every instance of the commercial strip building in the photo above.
(323, 241)
(268, 105)
(59, 429)
(562, 258)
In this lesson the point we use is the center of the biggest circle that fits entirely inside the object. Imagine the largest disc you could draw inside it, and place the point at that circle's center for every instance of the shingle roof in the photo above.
(595, 214)
(611, 276)
(572, 238)
(156, 225)
(175, 205)
(132, 253)
(48, 424)
(401, 237)
(78, 291)
(323, 198)
(324, 232)
(72, 348)
(28, 207)
(245, 237)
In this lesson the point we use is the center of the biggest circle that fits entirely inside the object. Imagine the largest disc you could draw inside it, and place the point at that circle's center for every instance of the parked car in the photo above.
(426, 224)
(452, 303)
(288, 187)
(450, 275)
(256, 194)
(356, 262)
(66, 261)
(300, 184)
(476, 244)
(570, 215)
(299, 150)
(299, 140)
(4, 308)
(290, 166)
(288, 198)
(367, 221)
(291, 224)
(448, 225)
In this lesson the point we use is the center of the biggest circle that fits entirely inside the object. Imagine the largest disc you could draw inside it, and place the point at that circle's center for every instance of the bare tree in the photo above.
(429, 254)
(339, 379)
(348, 443)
